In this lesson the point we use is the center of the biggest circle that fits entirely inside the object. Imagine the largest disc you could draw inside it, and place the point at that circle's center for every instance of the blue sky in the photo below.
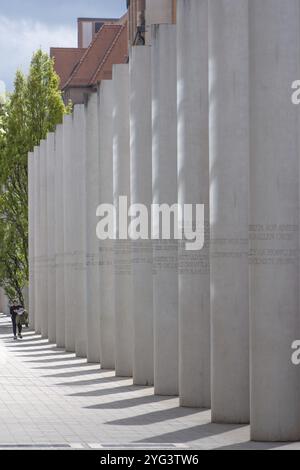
(26, 25)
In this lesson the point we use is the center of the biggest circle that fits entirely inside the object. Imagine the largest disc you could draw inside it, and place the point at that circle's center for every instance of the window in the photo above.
(98, 26)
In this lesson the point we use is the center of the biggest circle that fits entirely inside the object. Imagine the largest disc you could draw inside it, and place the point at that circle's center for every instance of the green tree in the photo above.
(13, 264)
(33, 109)
(44, 104)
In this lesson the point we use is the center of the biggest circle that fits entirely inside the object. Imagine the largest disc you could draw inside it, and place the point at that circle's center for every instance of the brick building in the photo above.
(101, 43)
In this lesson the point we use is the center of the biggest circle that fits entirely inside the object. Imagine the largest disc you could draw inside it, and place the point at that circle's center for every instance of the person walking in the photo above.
(14, 312)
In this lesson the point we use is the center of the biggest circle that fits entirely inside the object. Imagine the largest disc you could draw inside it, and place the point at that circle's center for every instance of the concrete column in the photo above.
(141, 193)
(229, 182)
(158, 12)
(92, 243)
(25, 293)
(121, 178)
(69, 247)
(274, 219)
(37, 241)
(31, 240)
(43, 288)
(106, 272)
(3, 302)
(51, 237)
(193, 188)
(79, 230)
(59, 239)
(164, 167)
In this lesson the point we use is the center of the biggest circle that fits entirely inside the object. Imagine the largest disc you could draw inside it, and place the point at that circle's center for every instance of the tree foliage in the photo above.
(33, 109)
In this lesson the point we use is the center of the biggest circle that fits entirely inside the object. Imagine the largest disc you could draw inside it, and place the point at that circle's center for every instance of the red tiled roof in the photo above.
(116, 54)
(106, 42)
(65, 61)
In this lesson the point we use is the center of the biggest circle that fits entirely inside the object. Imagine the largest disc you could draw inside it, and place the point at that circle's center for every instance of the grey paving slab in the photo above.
(50, 399)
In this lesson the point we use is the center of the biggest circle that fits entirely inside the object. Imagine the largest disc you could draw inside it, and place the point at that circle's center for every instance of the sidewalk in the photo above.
(51, 399)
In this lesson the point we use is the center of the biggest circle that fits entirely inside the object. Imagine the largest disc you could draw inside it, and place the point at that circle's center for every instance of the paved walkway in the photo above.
(49, 398)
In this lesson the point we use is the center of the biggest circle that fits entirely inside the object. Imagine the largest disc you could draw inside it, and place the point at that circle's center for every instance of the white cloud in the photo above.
(19, 39)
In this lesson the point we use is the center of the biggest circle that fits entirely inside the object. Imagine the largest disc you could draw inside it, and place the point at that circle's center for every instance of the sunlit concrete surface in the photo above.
(51, 399)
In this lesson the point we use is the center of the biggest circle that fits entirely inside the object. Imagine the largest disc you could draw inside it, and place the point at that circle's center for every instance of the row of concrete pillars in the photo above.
(202, 116)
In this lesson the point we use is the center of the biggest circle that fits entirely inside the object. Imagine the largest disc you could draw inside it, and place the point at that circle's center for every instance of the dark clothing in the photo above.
(13, 313)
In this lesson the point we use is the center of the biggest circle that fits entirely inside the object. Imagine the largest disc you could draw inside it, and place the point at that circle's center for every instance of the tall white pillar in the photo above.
(69, 246)
(229, 202)
(51, 237)
(141, 193)
(123, 272)
(92, 243)
(4, 302)
(31, 244)
(37, 241)
(193, 188)
(106, 271)
(164, 167)
(79, 228)
(43, 304)
(158, 12)
(274, 219)
(59, 239)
